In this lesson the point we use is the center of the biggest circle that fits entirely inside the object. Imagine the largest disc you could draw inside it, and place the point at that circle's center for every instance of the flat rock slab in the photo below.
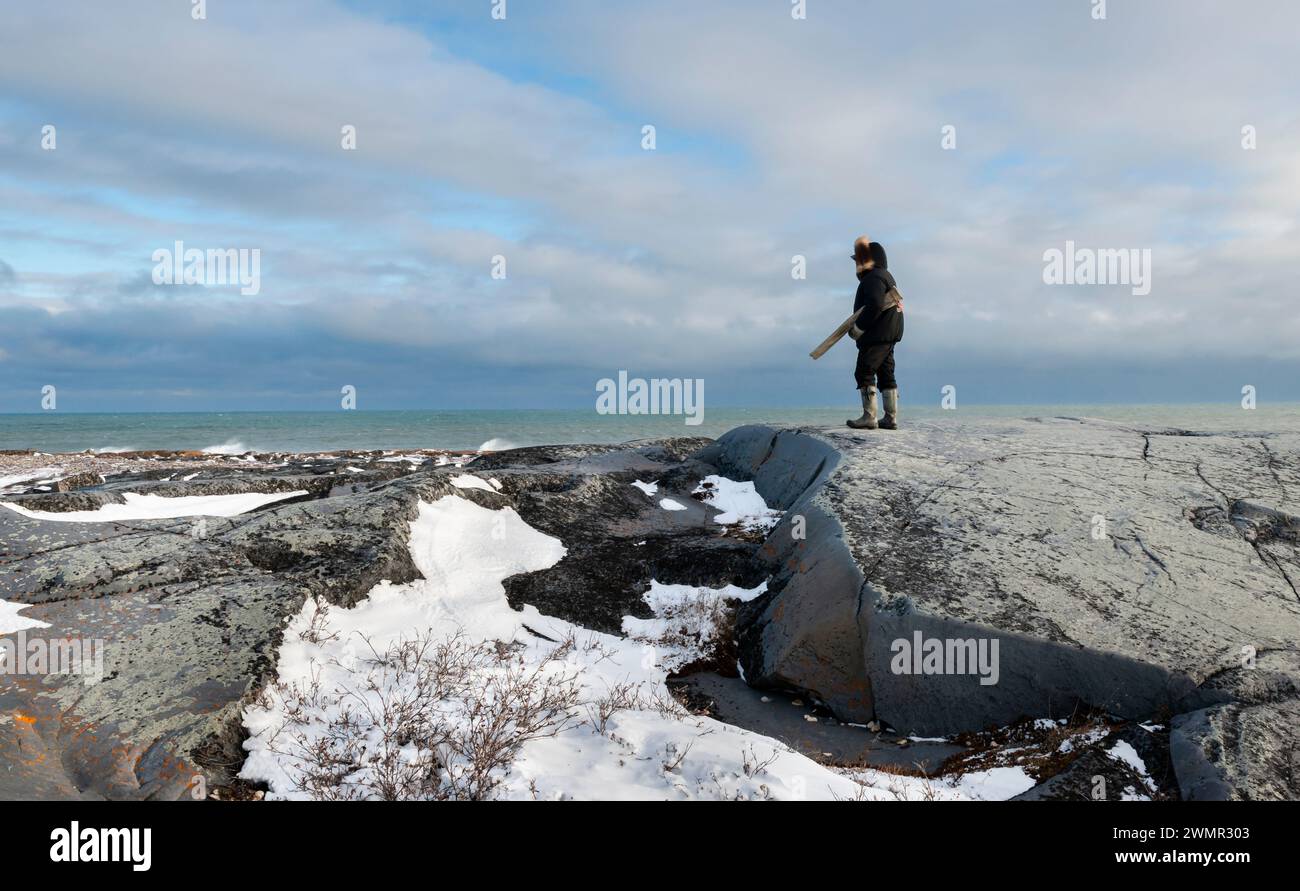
(1131, 570)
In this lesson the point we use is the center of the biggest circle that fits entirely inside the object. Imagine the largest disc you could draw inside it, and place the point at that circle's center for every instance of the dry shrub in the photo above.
(431, 720)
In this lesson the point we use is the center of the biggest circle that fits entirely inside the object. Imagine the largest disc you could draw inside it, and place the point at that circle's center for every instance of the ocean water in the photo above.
(238, 432)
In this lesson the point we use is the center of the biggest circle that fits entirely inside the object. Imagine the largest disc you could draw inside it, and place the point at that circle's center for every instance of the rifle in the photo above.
(835, 336)
(893, 298)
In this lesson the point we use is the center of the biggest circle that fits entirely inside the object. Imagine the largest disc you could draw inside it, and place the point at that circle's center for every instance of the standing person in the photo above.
(877, 330)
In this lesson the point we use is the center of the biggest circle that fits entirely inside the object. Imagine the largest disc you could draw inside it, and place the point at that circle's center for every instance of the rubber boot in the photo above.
(890, 420)
(868, 419)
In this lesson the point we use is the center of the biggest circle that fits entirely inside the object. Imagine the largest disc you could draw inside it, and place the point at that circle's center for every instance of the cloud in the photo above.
(776, 138)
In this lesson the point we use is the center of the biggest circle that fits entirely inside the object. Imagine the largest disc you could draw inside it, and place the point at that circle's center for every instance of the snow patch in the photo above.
(10, 621)
(669, 504)
(43, 474)
(1083, 740)
(739, 503)
(994, 784)
(651, 489)
(159, 507)
(688, 621)
(1124, 753)
(468, 481)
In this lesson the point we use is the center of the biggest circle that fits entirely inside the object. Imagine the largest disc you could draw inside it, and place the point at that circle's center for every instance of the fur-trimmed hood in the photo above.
(875, 259)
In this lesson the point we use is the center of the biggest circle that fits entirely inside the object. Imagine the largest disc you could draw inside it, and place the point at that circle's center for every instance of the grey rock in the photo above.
(189, 626)
(979, 530)
(985, 530)
(191, 623)
(1239, 751)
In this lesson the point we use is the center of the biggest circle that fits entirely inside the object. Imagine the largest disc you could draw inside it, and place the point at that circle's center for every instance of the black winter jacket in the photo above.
(878, 323)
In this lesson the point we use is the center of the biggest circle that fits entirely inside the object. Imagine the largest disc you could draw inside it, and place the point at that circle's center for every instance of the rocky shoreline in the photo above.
(28, 470)
(1120, 654)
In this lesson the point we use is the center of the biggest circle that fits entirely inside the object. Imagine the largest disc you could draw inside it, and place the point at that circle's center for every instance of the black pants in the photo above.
(875, 359)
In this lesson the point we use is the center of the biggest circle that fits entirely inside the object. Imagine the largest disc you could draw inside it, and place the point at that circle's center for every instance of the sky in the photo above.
(776, 137)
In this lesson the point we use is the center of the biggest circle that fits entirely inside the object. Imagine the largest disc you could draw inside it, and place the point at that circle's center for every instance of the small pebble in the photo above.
(810, 719)
(796, 702)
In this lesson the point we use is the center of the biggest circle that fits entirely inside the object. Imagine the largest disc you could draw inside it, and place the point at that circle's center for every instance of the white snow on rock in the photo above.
(688, 620)
(1124, 753)
(451, 643)
(739, 503)
(651, 489)
(1083, 740)
(10, 621)
(42, 474)
(663, 598)
(994, 784)
(469, 481)
(669, 504)
(398, 459)
(158, 507)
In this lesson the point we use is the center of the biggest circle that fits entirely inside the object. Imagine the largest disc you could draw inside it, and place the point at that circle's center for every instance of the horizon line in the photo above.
(322, 411)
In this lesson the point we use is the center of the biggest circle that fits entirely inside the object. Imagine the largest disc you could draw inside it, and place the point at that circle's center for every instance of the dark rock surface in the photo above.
(785, 717)
(1096, 775)
(995, 532)
(618, 538)
(189, 615)
(191, 622)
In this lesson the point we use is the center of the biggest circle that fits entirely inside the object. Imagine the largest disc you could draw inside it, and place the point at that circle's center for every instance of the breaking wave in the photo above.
(233, 447)
(497, 445)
